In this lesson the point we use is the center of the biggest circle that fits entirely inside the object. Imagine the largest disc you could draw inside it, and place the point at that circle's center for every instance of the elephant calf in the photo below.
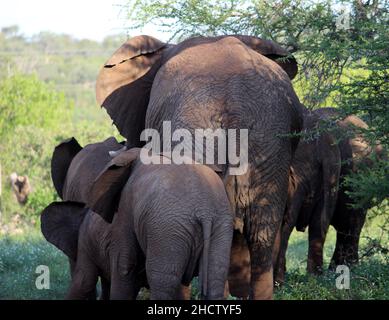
(171, 221)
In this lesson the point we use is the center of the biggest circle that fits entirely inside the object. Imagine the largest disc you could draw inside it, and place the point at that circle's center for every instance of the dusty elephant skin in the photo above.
(316, 197)
(229, 82)
(172, 222)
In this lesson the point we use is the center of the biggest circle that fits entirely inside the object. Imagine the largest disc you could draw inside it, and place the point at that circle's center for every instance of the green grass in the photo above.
(368, 280)
(20, 255)
(19, 258)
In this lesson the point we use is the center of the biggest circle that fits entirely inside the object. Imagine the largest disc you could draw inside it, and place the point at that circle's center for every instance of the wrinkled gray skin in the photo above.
(318, 168)
(228, 82)
(172, 221)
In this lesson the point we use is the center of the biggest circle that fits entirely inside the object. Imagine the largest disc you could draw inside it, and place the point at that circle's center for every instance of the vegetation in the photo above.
(20, 255)
(47, 95)
(71, 65)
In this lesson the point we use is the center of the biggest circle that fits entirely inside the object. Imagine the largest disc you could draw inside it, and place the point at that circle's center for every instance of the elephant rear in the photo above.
(197, 222)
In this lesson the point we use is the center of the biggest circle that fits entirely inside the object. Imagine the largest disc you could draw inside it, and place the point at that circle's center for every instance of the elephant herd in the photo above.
(158, 226)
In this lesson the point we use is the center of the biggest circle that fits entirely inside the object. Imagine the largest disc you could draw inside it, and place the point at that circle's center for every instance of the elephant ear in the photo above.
(105, 192)
(330, 158)
(124, 84)
(62, 157)
(272, 51)
(60, 224)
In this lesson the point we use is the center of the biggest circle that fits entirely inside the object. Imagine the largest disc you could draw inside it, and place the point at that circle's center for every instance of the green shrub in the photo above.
(27, 101)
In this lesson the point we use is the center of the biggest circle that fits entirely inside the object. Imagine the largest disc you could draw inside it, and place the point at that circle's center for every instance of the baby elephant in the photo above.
(173, 221)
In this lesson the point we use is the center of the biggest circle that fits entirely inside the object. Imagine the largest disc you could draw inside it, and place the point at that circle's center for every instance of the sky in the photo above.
(91, 19)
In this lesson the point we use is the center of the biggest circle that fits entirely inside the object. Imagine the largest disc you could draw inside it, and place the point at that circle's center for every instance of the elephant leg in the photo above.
(164, 285)
(165, 268)
(346, 250)
(261, 284)
(125, 265)
(124, 285)
(348, 224)
(240, 269)
(105, 289)
(185, 293)
(84, 281)
(317, 232)
(280, 264)
(263, 220)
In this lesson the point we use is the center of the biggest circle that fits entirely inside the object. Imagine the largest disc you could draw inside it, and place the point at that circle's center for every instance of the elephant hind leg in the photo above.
(263, 220)
(317, 232)
(164, 286)
(239, 272)
(165, 272)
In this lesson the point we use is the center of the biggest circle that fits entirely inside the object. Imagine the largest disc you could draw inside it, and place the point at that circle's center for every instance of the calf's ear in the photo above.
(60, 224)
(62, 158)
(106, 190)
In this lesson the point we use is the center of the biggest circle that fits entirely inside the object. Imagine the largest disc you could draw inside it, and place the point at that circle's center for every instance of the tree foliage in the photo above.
(70, 64)
(25, 100)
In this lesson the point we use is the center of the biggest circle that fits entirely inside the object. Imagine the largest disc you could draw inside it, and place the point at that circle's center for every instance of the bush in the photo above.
(36, 118)
(27, 101)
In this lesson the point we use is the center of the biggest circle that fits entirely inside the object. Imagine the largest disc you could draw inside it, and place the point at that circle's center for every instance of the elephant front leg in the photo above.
(124, 286)
(124, 282)
(84, 280)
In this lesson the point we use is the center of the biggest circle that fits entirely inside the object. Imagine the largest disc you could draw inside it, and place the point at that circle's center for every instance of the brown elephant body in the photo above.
(317, 197)
(168, 223)
(229, 82)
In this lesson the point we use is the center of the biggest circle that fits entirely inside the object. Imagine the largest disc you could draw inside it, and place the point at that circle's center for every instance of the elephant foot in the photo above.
(314, 269)
(185, 293)
(262, 286)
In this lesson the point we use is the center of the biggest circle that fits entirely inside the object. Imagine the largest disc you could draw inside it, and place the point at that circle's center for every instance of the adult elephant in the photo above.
(312, 195)
(317, 196)
(356, 153)
(227, 82)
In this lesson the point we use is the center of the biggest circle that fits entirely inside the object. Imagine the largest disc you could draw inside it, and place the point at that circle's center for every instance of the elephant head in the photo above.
(73, 168)
(124, 83)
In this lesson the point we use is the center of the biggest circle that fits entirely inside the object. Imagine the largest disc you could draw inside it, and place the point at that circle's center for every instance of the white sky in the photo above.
(92, 19)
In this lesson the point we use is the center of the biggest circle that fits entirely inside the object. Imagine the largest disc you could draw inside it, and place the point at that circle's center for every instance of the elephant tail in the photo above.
(204, 260)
